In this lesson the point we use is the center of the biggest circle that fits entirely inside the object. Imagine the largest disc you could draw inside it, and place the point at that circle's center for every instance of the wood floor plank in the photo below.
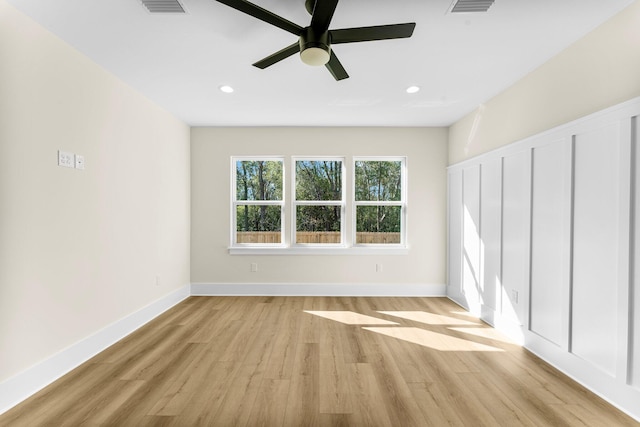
(285, 342)
(303, 403)
(270, 361)
(399, 402)
(334, 383)
(434, 407)
(98, 411)
(497, 404)
(240, 394)
(203, 404)
(270, 405)
(367, 397)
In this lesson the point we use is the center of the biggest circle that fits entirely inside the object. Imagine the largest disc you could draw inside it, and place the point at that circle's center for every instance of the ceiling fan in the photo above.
(315, 41)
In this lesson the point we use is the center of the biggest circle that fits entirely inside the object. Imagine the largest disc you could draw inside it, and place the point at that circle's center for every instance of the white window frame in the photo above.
(235, 202)
(288, 204)
(295, 202)
(402, 202)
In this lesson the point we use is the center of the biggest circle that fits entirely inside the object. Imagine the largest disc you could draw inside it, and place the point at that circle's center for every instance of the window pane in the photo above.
(378, 224)
(259, 180)
(378, 180)
(318, 180)
(318, 224)
(258, 224)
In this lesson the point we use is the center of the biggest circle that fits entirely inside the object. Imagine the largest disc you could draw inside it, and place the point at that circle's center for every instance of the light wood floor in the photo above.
(283, 361)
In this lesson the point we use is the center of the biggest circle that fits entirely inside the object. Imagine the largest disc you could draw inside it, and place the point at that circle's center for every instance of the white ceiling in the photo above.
(459, 60)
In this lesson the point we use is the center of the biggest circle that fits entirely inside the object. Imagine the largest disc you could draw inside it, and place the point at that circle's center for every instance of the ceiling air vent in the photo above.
(464, 6)
(163, 6)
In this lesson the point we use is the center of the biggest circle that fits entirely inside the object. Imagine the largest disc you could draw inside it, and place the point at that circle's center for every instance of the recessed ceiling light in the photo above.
(413, 89)
(226, 89)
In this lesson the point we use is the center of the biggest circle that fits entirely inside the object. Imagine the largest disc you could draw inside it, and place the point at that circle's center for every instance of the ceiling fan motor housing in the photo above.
(314, 48)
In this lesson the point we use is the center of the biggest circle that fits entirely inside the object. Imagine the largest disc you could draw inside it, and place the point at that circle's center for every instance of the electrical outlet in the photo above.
(79, 161)
(514, 295)
(254, 267)
(66, 159)
(378, 268)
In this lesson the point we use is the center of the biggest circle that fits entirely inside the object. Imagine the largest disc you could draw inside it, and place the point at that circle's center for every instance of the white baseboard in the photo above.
(19, 387)
(319, 289)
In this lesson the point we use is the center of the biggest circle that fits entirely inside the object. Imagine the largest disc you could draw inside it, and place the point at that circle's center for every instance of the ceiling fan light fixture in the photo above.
(314, 47)
(315, 56)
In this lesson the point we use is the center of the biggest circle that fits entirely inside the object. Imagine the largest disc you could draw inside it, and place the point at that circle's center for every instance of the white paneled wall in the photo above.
(544, 243)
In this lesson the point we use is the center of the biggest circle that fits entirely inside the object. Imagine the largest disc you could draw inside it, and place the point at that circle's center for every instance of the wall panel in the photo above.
(491, 235)
(454, 269)
(515, 207)
(551, 165)
(595, 246)
(471, 238)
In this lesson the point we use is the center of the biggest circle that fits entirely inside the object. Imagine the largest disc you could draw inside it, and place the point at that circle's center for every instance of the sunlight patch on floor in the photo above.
(351, 318)
(428, 318)
(432, 340)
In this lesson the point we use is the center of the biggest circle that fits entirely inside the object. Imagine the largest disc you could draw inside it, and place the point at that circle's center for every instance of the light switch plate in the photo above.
(79, 161)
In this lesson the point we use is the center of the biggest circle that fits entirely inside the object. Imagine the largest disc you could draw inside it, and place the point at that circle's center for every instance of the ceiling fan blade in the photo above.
(378, 32)
(263, 15)
(322, 14)
(278, 56)
(335, 68)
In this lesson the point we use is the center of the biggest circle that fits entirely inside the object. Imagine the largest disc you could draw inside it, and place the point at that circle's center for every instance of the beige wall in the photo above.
(81, 249)
(211, 150)
(600, 70)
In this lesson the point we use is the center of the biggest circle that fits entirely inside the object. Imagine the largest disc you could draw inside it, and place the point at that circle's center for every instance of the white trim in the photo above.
(19, 387)
(320, 289)
(313, 250)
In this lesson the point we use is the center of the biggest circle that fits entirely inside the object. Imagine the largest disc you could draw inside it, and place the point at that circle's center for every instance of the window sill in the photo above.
(355, 250)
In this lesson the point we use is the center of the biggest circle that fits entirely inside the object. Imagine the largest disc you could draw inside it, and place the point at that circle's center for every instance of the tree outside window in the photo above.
(258, 201)
(318, 201)
(379, 201)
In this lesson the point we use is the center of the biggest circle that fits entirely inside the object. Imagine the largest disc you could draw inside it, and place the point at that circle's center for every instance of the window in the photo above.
(318, 202)
(258, 201)
(318, 205)
(379, 201)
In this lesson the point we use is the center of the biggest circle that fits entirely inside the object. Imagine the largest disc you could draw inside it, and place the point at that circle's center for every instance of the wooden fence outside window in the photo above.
(305, 237)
